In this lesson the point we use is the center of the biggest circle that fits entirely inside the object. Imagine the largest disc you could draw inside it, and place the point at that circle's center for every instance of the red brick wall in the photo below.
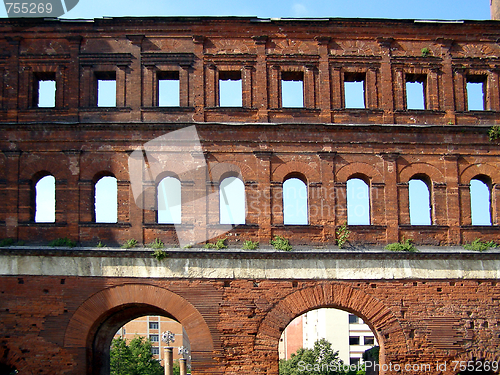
(234, 325)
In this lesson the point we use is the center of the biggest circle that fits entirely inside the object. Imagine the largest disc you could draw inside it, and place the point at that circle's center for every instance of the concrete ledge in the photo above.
(334, 264)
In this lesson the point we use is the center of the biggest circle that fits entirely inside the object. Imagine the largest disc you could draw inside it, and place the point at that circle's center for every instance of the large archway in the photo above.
(96, 321)
(382, 322)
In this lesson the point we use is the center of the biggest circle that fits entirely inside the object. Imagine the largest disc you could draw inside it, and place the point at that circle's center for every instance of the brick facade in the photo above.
(63, 324)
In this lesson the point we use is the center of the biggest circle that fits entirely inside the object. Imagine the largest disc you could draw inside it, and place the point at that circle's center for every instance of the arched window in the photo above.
(420, 202)
(480, 200)
(358, 202)
(232, 205)
(45, 200)
(105, 200)
(295, 209)
(169, 201)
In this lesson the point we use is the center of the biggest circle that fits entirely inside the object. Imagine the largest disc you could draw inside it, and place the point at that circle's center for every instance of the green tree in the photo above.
(134, 358)
(321, 360)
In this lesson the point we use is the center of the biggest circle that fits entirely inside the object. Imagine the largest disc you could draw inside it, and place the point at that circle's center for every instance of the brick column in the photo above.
(341, 202)
(121, 86)
(264, 204)
(274, 87)
(211, 86)
(452, 197)
(185, 96)
(387, 95)
(433, 90)
(197, 88)
(247, 85)
(372, 88)
(123, 191)
(259, 86)
(447, 86)
(310, 86)
(403, 189)
(460, 97)
(392, 197)
(72, 83)
(336, 87)
(493, 90)
(495, 204)
(12, 79)
(68, 210)
(377, 203)
(86, 201)
(11, 204)
(326, 200)
(399, 90)
(149, 89)
(324, 97)
(465, 204)
(439, 209)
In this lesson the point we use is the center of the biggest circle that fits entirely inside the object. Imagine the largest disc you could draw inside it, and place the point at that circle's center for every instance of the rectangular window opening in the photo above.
(476, 93)
(153, 325)
(45, 90)
(415, 91)
(369, 340)
(155, 350)
(353, 319)
(292, 89)
(106, 89)
(354, 90)
(353, 340)
(168, 89)
(230, 89)
(154, 338)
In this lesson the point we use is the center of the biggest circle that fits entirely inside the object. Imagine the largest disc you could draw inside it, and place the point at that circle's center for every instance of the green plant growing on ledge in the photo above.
(157, 244)
(130, 244)
(160, 254)
(219, 244)
(7, 242)
(494, 132)
(62, 242)
(280, 243)
(404, 245)
(425, 52)
(478, 245)
(250, 245)
(100, 244)
(342, 235)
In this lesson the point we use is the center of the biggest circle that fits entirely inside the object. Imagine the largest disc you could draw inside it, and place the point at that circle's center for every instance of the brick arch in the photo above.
(357, 168)
(116, 165)
(479, 169)
(421, 169)
(293, 167)
(220, 170)
(376, 315)
(142, 299)
(55, 165)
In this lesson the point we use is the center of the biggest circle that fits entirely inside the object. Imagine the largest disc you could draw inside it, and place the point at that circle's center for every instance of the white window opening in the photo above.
(415, 91)
(420, 202)
(295, 209)
(169, 201)
(230, 89)
(480, 199)
(232, 205)
(106, 89)
(292, 89)
(358, 202)
(45, 200)
(168, 89)
(106, 205)
(476, 93)
(46, 93)
(354, 91)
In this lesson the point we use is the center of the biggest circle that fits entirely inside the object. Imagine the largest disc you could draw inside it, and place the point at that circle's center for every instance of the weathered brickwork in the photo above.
(234, 325)
(63, 324)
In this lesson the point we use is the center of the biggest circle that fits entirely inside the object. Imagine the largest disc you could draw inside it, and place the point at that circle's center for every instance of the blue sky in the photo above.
(423, 9)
